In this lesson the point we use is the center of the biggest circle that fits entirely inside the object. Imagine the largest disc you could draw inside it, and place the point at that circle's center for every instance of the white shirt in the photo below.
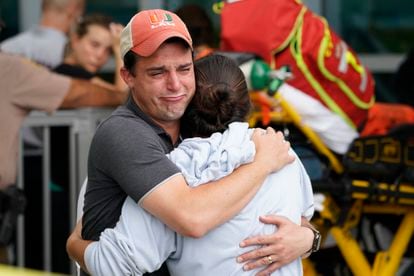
(141, 243)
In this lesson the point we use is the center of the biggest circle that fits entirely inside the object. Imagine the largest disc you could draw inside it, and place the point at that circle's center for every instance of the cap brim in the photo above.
(151, 44)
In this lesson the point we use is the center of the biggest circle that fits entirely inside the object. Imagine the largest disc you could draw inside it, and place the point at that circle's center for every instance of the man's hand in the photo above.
(272, 150)
(288, 243)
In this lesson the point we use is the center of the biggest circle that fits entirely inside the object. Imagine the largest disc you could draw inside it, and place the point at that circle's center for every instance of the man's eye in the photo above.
(156, 73)
(185, 69)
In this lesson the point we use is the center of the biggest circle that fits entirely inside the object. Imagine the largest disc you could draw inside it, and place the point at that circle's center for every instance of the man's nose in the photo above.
(173, 82)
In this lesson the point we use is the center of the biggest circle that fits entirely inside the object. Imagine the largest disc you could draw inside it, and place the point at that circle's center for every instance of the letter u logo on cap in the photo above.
(154, 18)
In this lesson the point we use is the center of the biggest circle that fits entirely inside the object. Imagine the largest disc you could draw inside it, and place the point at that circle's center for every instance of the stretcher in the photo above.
(345, 200)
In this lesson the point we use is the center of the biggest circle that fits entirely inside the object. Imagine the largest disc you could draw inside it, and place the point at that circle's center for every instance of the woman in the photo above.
(92, 42)
(141, 243)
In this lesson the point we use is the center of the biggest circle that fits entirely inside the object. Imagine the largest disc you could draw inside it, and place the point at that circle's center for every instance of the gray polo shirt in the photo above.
(127, 157)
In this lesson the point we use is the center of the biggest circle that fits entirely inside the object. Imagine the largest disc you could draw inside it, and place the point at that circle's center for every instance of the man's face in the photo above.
(164, 83)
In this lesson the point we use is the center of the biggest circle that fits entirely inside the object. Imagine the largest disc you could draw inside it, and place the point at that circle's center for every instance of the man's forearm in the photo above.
(200, 209)
(195, 211)
(86, 94)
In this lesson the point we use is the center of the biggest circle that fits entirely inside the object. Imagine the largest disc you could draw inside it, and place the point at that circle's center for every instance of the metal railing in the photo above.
(81, 124)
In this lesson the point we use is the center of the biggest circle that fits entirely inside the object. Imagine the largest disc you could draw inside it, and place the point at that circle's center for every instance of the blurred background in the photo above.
(381, 31)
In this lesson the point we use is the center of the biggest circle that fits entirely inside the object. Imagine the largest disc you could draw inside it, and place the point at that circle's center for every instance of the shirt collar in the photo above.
(131, 105)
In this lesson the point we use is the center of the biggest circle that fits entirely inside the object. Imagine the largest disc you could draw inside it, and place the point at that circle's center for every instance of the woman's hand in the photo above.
(289, 242)
(116, 29)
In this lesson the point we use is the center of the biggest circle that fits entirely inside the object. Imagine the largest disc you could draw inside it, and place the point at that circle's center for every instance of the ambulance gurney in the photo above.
(373, 177)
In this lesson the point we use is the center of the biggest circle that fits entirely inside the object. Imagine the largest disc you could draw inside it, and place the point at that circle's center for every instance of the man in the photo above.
(128, 152)
(45, 43)
(26, 86)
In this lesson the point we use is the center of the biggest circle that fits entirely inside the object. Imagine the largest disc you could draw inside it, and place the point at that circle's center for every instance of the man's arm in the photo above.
(76, 246)
(84, 93)
(195, 211)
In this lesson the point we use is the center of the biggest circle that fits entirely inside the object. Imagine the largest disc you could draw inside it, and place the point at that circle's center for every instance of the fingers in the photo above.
(270, 269)
(271, 130)
(272, 150)
(257, 257)
(258, 132)
(270, 263)
(257, 240)
(273, 219)
(116, 28)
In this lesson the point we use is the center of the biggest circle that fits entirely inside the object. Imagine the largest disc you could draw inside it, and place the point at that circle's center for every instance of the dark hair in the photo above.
(82, 27)
(198, 23)
(83, 24)
(221, 96)
(131, 58)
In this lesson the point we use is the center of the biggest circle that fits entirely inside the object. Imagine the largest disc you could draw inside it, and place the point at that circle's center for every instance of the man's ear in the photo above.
(127, 77)
(73, 39)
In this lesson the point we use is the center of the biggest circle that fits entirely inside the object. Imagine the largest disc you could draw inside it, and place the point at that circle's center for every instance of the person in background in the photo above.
(218, 110)
(200, 28)
(128, 152)
(45, 42)
(26, 86)
(92, 41)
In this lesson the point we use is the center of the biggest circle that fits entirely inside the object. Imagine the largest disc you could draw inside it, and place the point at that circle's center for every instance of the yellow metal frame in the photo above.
(288, 114)
(386, 262)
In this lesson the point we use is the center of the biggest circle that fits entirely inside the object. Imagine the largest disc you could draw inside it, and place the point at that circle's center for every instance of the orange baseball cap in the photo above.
(148, 29)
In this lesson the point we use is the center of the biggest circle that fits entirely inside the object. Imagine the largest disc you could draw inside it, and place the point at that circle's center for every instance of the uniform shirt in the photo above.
(24, 87)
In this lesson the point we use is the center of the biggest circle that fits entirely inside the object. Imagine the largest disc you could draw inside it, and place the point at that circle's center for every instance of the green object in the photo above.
(259, 76)
(262, 77)
(274, 86)
(55, 187)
